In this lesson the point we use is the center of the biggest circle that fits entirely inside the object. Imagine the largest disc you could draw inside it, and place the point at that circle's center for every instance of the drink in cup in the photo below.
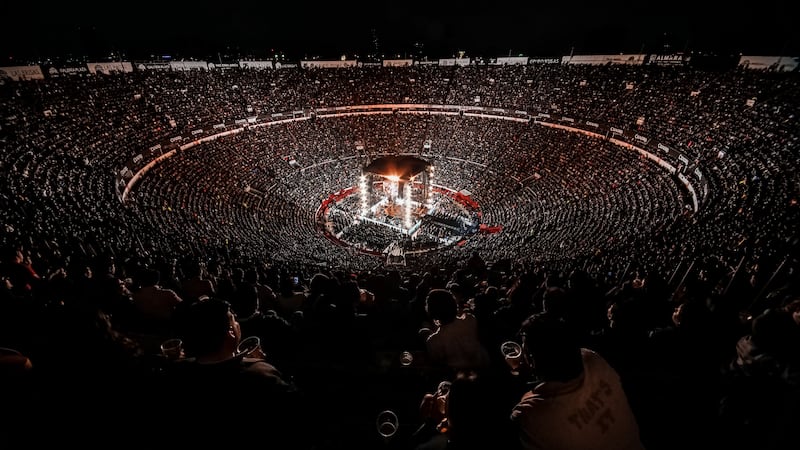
(250, 348)
(172, 349)
(512, 352)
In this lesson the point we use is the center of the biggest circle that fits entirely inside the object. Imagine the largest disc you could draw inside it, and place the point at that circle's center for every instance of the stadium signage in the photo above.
(593, 124)
(155, 147)
(240, 121)
(18, 73)
(176, 138)
(223, 66)
(256, 64)
(616, 130)
(544, 60)
(641, 138)
(511, 60)
(567, 119)
(627, 59)
(107, 68)
(683, 159)
(667, 60)
(67, 70)
(769, 63)
(153, 66)
(545, 115)
(336, 64)
(397, 62)
(698, 174)
(188, 65)
(196, 132)
(663, 148)
(138, 158)
(454, 62)
(218, 126)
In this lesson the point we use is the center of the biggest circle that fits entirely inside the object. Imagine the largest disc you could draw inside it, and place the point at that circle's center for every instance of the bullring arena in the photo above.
(526, 184)
(341, 196)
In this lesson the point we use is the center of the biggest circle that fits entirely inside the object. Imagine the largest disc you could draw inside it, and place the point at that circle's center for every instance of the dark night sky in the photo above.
(145, 27)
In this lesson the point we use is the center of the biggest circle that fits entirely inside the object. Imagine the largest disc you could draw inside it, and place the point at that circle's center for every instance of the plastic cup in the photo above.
(512, 352)
(387, 423)
(172, 349)
(249, 347)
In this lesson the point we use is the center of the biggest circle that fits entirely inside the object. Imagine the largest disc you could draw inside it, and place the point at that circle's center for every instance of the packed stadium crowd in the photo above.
(644, 322)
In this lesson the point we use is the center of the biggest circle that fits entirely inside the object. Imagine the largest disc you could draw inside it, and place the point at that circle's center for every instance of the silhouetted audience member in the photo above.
(19, 273)
(471, 415)
(679, 369)
(154, 304)
(455, 342)
(217, 391)
(576, 400)
(196, 283)
(760, 403)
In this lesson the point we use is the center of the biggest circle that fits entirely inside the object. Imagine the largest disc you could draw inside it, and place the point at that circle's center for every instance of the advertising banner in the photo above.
(512, 60)
(54, 71)
(244, 64)
(397, 62)
(152, 66)
(543, 60)
(454, 62)
(629, 59)
(770, 63)
(336, 64)
(107, 68)
(668, 60)
(213, 66)
(188, 65)
(18, 73)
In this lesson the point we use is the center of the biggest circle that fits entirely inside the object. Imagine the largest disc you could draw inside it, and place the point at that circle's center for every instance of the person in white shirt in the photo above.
(576, 401)
(454, 343)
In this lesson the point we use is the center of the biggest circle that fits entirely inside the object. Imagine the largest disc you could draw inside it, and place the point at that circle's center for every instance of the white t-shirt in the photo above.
(590, 412)
(456, 344)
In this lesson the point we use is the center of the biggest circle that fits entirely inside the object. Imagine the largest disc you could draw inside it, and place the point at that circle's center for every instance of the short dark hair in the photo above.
(774, 331)
(148, 277)
(206, 325)
(441, 305)
(477, 415)
(552, 346)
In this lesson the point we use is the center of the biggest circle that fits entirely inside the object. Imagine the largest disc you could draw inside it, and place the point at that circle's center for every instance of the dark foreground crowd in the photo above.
(627, 361)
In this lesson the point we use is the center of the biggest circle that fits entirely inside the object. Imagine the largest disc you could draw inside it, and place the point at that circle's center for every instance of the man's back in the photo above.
(239, 395)
(585, 413)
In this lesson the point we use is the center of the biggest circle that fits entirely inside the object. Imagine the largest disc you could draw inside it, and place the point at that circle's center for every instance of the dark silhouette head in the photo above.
(551, 347)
